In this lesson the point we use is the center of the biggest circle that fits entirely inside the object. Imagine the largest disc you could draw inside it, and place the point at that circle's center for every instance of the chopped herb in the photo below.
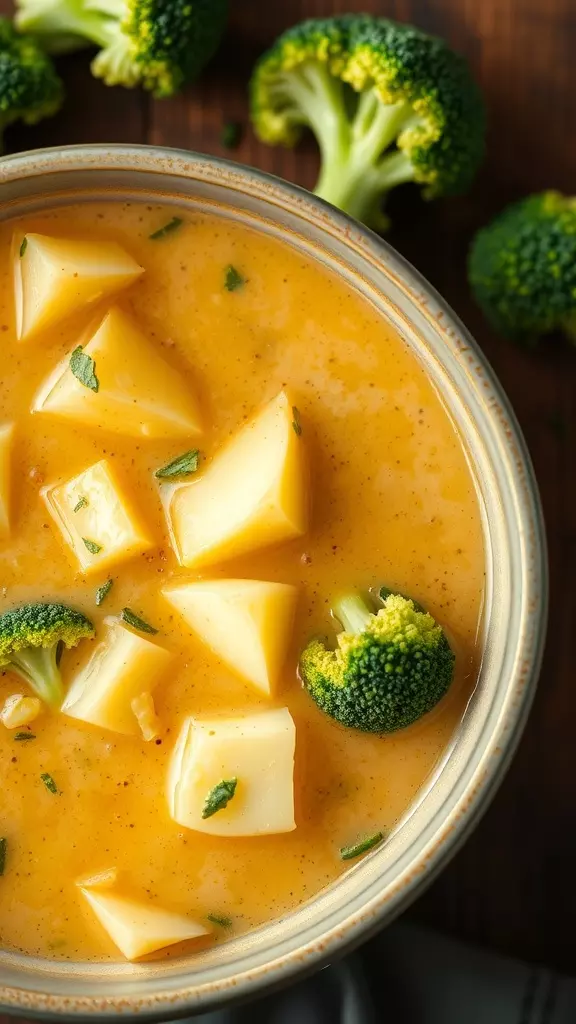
(3, 846)
(81, 503)
(219, 797)
(184, 465)
(136, 622)
(92, 546)
(296, 424)
(103, 591)
(233, 279)
(231, 135)
(224, 922)
(22, 737)
(23, 246)
(168, 228)
(49, 782)
(84, 369)
(349, 852)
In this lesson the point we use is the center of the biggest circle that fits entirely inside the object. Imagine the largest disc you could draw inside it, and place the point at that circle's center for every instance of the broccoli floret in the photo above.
(160, 44)
(29, 86)
(387, 104)
(390, 667)
(522, 268)
(31, 639)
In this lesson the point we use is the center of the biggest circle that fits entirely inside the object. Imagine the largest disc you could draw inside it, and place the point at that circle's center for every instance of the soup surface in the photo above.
(392, 502)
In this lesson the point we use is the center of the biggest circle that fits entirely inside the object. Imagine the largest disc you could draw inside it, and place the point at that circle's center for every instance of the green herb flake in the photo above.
(219, 797)
(81, 503)
(350, 852)
(103, 591)
(23, 737)
(91, 546)
(233, 279)
(3, 850)
(167, 229)
(84, 369)
(49, 782)
(223, 922)
(231, 135)
(184, 465)
(296, 423)
(136, 622)
(23, 246)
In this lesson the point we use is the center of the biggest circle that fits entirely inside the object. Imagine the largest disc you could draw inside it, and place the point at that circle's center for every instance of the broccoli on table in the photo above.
(387, 104)
(31, 638)
(389, 668)
(160, 44)
(522, 267)
(29, 86)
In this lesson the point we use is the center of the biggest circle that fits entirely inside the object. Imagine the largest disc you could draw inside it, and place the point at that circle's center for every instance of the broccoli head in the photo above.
(160, 44)
(29, 86)
(31, 639)
(389, 668)
(522, 267)
(387, 104)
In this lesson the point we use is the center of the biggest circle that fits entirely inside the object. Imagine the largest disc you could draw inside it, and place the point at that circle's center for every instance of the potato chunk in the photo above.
(139, 394)
(97, 518)
(122, 666)
(258, 751)
(6, 442)
(138, 928)
(247, 623)
(55, 277)
(253, 494)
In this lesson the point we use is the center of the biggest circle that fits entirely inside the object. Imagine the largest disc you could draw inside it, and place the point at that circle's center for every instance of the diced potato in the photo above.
(97, 518)
(139, 394)
(247, 623)
(253, 494)
(6, 442)
(138, 928)
(19, 710)
(257, 750)
(145, 714)
(122, 666)
(55, 277)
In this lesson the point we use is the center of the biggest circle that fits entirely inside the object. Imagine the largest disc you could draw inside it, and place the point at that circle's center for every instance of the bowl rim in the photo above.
(462, 814)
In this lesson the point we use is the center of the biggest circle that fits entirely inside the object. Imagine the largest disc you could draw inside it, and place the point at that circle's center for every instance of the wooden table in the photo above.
(513, 887)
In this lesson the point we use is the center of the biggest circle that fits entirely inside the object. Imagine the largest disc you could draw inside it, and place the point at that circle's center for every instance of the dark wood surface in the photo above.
(513, 886)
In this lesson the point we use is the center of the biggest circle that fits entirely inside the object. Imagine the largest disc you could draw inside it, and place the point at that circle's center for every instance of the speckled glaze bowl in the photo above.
(377, 888)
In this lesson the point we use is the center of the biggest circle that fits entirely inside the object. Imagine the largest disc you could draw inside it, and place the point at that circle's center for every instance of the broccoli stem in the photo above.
(64, 26)
(39, 667)
(353, 612)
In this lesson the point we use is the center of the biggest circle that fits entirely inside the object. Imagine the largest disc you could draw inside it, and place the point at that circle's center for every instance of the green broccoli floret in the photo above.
(29, 86)
(160, 44)
(31, 640)
(522, 268)
(387, 104)
(390, 667)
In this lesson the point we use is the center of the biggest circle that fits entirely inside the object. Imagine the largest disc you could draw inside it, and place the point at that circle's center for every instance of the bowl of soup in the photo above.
(273, 582)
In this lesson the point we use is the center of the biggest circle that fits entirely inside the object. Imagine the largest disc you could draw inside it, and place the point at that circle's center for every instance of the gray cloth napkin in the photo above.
(409, 975)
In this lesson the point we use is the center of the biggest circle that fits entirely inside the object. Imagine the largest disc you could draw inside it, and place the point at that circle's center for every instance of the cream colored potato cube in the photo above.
(97, 518)
(139, 394)
(139, 927)
(258, 751)
(55, 277)
(6, 444)
(247, 623)
(122, 666)
(252, 495)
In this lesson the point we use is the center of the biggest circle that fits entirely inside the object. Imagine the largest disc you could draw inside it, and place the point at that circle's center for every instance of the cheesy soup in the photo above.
(241, 572)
